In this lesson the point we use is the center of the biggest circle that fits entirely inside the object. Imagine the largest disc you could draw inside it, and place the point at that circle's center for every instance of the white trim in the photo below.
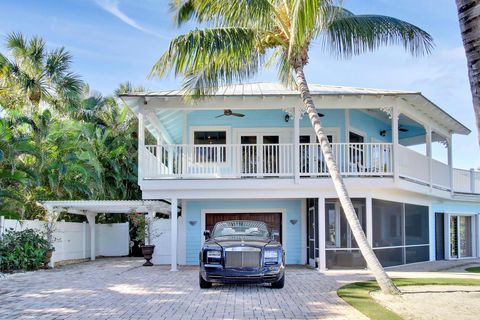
(173, 233)
(283, 212)
(303, 230)
(322, 264)
(283, 134)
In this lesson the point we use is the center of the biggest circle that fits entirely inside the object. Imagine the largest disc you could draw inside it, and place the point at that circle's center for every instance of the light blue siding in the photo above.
(293, 234)
(452, 207)
(370, 126)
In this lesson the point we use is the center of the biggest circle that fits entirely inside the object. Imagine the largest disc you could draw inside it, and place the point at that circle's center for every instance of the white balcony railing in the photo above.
(267, 160)
(277, 160)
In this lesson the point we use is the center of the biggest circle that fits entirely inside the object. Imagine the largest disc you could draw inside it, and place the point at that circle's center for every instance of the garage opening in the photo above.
(272, 220)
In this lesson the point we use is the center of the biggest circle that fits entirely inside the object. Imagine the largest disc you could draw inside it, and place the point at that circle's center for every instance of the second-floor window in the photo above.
(208, 146)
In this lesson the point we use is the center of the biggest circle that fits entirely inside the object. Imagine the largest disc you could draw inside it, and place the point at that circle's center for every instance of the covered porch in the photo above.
(91, 208)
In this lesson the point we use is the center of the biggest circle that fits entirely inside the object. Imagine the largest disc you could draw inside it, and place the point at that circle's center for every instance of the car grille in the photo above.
(239, 257)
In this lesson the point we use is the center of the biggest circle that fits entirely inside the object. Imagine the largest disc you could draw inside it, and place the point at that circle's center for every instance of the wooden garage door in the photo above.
(273, 220)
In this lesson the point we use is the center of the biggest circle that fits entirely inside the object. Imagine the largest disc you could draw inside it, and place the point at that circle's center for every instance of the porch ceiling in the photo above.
(267, 91)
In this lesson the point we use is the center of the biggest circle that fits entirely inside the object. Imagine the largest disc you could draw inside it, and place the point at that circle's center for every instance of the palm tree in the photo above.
(469, 18)
(37, 76)
(244, 33)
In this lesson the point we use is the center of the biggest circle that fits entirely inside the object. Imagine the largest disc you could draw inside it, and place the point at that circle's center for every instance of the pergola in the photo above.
(90, 209)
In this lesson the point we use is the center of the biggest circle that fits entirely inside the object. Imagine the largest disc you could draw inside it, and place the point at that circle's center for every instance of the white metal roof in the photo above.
(268, 88)
(107, 206)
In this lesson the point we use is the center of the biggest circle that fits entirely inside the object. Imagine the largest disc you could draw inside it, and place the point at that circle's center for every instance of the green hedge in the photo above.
(22, 250)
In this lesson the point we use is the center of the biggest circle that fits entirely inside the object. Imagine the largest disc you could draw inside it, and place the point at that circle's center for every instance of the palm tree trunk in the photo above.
(469, 19)
(385, 283)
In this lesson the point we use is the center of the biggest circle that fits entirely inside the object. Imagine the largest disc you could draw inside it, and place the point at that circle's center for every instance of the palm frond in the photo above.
(241, 13)
(349, 35)
(209, 58)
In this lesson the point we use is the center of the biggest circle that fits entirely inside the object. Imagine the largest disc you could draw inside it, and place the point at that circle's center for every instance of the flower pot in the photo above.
(147, 254)
(48, 256)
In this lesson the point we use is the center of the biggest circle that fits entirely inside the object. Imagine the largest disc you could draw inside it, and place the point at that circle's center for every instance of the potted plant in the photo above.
(144, 234)
(50, 227)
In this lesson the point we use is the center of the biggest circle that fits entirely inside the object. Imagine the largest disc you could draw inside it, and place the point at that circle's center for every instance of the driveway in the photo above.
(121, 288)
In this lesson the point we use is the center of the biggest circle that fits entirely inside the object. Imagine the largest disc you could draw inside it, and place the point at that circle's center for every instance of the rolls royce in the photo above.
(241, 251)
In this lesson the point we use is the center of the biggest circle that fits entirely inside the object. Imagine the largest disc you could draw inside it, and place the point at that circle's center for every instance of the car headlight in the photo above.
(214, 254)
(271, 255)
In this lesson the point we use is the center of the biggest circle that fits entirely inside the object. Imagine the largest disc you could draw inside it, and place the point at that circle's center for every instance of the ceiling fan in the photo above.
(228, 112)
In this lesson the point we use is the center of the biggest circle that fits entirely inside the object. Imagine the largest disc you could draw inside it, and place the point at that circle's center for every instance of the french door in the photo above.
(461, 236)
(260, 154)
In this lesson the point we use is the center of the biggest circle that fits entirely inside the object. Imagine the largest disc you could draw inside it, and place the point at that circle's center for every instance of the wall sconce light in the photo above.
(293, 221)
(287, 118)
(192, 222)
(383, 133)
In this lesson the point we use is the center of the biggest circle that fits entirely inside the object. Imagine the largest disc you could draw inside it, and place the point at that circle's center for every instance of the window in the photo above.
(400, 232)
(207, 147)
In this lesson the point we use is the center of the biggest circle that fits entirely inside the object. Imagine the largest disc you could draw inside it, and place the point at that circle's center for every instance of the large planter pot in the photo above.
(48, 257)
(147, 254)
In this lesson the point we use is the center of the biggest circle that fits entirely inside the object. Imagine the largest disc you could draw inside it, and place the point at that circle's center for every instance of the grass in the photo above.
(358, 294)
(473, 269)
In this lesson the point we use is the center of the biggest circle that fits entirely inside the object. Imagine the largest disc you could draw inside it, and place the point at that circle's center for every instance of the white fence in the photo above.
(73, 238)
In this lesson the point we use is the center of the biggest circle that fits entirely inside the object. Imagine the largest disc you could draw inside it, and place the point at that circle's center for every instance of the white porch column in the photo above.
(369, 214)
(395, 142)
(91, 222)
(173, 234)
(428, 141)
(450, 161)
(296, 145)
(141, 144)
(322, 264)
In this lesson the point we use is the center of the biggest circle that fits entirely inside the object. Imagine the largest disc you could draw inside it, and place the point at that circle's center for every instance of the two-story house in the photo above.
(248, 152)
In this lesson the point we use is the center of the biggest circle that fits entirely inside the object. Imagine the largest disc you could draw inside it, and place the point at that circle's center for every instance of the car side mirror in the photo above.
(206, 234)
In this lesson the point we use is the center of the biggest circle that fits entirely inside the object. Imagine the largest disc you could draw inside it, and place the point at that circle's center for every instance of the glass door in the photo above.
(461, 237)
(270, 154)
(249, 155)
(260, 155)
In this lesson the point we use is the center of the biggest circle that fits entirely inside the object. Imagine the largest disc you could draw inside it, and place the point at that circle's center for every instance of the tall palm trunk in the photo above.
(469, 19)
(385, 283)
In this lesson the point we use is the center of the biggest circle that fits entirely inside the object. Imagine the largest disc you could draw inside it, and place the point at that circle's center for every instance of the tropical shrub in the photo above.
(22, 250)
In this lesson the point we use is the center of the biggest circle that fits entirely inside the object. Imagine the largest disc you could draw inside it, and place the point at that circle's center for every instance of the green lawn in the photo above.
(358, 294)
(473, 269)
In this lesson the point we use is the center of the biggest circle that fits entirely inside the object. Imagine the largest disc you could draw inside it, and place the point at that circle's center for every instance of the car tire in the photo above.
(203, 283)
(280, 283)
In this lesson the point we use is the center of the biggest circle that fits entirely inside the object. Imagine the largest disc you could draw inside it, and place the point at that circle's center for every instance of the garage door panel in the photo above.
(272, 220)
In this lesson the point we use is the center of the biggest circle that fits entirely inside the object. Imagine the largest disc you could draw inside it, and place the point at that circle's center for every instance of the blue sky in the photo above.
(118, 40)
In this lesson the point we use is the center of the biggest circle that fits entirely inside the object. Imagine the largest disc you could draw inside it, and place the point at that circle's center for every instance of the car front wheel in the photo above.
(203, 283)
(279, 284)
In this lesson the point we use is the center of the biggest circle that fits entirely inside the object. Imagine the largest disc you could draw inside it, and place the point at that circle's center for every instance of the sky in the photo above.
(113, 41)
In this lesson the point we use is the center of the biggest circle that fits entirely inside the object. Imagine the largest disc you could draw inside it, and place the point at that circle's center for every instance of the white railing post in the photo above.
(369, 214)
(296, 145)
(472, 180)
(396, 165)
(429, 154)
(450, 163)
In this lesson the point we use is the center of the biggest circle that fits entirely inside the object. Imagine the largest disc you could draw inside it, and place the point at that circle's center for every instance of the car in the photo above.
(241, 251)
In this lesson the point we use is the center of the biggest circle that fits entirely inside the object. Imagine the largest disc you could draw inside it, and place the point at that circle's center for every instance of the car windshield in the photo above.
(240, 228)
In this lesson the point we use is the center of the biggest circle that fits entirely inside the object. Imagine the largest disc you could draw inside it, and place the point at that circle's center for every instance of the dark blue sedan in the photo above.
(241, 251)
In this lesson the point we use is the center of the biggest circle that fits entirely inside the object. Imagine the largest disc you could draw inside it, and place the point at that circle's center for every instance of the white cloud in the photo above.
(111, 6)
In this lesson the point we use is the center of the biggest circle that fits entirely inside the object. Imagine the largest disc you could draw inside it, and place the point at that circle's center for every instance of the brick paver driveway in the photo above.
(122, 289)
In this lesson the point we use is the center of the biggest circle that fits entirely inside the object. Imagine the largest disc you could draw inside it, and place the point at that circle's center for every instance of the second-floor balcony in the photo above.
(243, 161)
